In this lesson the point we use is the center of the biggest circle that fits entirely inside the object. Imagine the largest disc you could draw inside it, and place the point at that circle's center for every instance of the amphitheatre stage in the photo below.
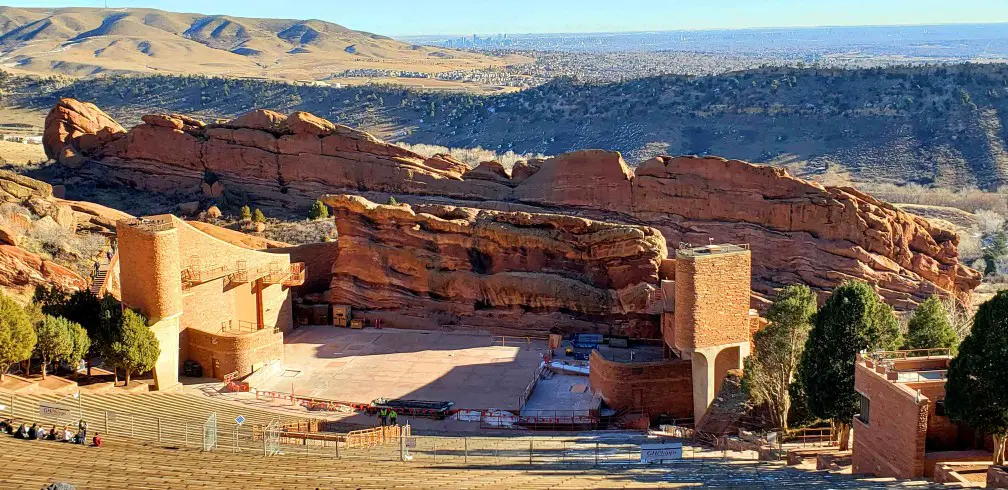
(358, 366)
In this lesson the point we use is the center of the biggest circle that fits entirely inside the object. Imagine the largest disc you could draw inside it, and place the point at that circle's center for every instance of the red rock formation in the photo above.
(22, 271)
(432, 265)
(799, 231)
(78, 125)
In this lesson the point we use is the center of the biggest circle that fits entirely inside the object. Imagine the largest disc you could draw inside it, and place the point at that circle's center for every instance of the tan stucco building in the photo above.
(206, 300)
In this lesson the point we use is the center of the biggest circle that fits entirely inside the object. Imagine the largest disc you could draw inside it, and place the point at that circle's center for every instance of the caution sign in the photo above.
(656, 453)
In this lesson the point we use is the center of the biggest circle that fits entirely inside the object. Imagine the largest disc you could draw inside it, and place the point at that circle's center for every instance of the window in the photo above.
(940, 408)
(865, 414)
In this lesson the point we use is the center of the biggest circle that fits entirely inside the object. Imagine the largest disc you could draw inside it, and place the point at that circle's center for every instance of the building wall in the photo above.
(657, 387)
(207, 306)
(150, 271)
(188, 323)
(942, 433)
(278, 311)
(150, 283)
(712, 299)
(233, 352)
(892, 443)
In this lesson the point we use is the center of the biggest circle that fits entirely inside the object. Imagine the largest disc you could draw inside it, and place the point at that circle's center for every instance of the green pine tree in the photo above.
(258, 216)
(246, 214)
(852, 320)
(929, 327)
(975, 392)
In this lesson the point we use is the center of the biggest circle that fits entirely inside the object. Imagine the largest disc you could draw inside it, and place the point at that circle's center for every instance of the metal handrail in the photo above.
(905, 354)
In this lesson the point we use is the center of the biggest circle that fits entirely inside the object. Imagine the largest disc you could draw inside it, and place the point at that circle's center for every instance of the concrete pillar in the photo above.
(703, 384)
(150, 277)
(708, 374)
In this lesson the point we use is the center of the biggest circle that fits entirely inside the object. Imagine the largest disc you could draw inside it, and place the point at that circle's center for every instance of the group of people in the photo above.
(37, 432)
(388, 416)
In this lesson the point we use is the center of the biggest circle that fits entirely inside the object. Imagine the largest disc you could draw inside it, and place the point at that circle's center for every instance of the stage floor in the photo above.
(473, 371)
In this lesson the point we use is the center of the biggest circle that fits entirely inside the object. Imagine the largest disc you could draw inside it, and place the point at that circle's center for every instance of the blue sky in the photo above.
(412, 17)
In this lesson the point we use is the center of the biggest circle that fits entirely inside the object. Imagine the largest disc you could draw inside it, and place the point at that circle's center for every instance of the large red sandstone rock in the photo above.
(71, 119)
(800, 231)
(442, 264)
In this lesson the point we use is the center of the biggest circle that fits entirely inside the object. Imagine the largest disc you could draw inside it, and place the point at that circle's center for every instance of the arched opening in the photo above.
(726, 360)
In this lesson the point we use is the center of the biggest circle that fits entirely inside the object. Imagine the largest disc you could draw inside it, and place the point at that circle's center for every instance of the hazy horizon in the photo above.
(402, 18)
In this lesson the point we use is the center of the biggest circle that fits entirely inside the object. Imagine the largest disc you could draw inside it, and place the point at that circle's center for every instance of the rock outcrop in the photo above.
(799, 231)
(31, 203)
(434, 265)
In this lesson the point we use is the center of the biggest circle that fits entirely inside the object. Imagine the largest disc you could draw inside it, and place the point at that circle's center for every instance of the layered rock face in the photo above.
(434, 265)
(799, 231)
(21, 270)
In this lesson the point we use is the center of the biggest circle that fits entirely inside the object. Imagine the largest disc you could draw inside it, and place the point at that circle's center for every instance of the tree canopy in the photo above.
(55, 340)
(929, 327)
(17, 334)
(770, 369)
(135, 348)
(976, 392)
(852, 320)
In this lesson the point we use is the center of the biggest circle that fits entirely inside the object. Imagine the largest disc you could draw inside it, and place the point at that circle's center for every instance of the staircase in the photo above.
(99, 281)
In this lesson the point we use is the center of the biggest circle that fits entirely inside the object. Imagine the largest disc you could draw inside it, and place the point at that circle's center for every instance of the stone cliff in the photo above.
(434, 265)
(799, 231)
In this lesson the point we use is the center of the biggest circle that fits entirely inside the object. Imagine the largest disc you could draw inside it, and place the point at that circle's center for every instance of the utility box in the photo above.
(340, 316)
(357, 324)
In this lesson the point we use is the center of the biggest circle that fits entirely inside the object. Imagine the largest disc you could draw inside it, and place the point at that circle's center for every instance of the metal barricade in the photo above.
(210, 432)
(271, 438)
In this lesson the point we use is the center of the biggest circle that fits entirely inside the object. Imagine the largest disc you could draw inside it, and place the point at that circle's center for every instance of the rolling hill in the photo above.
(85, 42)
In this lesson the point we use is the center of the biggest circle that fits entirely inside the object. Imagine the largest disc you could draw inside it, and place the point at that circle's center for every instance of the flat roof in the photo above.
(711, 250)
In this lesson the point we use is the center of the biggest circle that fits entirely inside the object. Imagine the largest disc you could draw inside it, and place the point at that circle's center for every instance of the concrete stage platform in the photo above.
(474, 371)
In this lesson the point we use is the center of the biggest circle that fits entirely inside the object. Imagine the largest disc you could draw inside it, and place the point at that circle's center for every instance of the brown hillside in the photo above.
(88, 41)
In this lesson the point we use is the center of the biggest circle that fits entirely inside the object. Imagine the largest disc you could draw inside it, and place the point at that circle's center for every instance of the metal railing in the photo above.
(238, 327)
(180, 430)
(148, 224)
(910, 353)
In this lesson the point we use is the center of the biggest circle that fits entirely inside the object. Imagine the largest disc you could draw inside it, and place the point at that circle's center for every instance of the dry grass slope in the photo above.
(89, 41)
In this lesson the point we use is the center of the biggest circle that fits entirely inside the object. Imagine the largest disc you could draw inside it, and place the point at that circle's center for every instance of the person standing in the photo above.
(392, 417)
(382, 414)
(82, 427)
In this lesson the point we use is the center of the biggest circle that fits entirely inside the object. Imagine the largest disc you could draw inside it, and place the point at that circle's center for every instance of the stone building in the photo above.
(206, 300)
(706, 331)
(901, 430)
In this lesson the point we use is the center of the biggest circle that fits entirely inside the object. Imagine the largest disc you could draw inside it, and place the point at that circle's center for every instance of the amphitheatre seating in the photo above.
(124, 464)
(155, 416)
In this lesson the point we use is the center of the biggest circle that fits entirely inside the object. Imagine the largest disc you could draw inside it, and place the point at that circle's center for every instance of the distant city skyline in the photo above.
(461, 17)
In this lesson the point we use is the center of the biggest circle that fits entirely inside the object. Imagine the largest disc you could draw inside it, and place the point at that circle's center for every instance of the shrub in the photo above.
(258, 216)
(318, 211)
